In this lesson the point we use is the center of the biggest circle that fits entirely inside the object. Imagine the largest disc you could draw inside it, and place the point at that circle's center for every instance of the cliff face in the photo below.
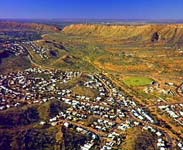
(172, 33)
(27, 26)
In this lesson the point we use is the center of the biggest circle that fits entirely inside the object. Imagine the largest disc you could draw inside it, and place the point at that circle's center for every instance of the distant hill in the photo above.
(17, 26)
(148, 33)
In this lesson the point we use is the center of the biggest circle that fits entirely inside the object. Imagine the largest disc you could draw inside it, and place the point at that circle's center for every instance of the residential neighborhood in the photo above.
(105, 117)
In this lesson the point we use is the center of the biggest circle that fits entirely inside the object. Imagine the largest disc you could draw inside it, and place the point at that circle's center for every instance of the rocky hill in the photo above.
(5, 25)
(151, 33)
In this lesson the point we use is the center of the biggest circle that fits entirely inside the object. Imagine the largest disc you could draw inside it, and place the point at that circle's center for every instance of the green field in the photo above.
(138, 81)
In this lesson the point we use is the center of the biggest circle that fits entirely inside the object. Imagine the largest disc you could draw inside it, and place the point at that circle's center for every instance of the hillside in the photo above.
(4, 26)
(164, 34)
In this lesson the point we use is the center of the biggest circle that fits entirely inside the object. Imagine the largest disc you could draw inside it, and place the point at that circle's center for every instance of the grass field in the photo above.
(138, 81)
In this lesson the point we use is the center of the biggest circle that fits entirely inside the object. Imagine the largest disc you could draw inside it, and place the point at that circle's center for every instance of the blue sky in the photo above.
(102, 9)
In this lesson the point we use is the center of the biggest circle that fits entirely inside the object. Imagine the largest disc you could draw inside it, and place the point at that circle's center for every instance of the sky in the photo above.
(92, 9)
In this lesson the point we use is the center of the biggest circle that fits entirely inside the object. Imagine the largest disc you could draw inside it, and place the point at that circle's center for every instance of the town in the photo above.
(105, 117)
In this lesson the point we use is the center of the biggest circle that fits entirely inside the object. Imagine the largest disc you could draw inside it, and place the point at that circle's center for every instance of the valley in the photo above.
(91, 87)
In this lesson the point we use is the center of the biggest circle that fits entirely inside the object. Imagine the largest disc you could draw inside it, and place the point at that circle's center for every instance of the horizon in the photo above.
(96, 20)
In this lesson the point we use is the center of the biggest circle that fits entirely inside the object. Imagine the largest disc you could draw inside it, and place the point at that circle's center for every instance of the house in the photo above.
(42, 123)
(78, 129)
(54, 123)
(66, 124)
(158, 133)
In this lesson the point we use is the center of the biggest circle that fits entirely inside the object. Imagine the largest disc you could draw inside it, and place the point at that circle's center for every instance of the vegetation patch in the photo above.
(21, 117)
(138, 81)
